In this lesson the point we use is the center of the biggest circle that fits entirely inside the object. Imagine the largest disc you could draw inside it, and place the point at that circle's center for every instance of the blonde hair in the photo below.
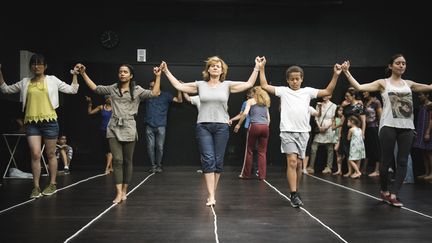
(261, 96)
(213, 60)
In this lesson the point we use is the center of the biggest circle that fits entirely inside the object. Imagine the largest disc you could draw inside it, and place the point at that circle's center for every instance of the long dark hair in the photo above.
(392, 59)
(131, 83)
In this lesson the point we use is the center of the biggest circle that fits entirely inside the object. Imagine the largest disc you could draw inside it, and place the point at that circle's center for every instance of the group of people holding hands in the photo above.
(39, 95)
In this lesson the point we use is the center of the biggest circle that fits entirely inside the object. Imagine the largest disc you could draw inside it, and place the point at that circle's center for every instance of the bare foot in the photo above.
(356, 175)
(124, 196)
(243, 177)
(210, 202)
(337, 173)
(346, 175)
(374, 174)
(118, 198)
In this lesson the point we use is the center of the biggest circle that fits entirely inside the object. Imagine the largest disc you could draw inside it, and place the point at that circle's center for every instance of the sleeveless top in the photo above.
(38, 107)
(397, 106)
(258, 114)
(106, 115)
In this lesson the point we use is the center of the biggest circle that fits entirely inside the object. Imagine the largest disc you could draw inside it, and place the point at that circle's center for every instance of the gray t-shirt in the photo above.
(213, 102)
(258, 114)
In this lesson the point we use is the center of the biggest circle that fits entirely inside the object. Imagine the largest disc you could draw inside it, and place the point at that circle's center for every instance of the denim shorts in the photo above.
(48, 130)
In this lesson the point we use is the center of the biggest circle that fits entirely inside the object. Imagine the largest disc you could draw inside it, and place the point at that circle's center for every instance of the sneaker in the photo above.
(395, 202)
(384, 197)
(158, 169)
(36, 193)
(296, 201)
(152, 169)
(49, 190)
(66, 171)
(310, 170)
(326, 170)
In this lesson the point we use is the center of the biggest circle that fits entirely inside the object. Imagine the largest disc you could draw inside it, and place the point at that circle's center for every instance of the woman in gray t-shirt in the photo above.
(212, 130)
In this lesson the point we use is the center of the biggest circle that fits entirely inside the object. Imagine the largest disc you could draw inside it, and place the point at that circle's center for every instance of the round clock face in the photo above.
(109, 39)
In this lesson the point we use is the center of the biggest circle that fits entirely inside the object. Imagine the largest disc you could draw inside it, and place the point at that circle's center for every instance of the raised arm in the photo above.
(263, 80)
(183, 87)
(74, 73)
(88, 81)
(239, 86)
(337, 69)
(156, 87)
(9, 89)
(418, 87)
(376, 85)
(73, 87)
(90, 109)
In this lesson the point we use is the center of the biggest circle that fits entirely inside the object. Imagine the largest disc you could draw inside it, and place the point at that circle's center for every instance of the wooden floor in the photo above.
(170, 207)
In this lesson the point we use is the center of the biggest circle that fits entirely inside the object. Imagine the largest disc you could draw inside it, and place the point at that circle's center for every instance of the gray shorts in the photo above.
(294, 143)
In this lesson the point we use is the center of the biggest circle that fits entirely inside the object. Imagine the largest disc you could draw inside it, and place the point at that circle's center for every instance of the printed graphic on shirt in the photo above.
(401, 104)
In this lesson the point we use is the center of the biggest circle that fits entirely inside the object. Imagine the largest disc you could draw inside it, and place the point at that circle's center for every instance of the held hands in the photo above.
(337, 69)
(75, 71)
(260, 61)
(345, 66)
(163, 66)
(80, 68)
(157, 71)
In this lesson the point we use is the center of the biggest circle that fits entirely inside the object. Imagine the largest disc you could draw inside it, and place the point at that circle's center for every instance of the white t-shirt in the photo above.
(295, 108)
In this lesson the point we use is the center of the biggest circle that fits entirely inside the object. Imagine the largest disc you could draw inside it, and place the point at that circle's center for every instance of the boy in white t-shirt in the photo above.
(294, 120)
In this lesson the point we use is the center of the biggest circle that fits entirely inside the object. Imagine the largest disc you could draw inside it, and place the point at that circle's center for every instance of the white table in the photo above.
(18, 136)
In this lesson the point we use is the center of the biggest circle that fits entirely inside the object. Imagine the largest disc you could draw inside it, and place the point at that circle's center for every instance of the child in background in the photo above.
(357, 150)
(64, 152)
(337, 125)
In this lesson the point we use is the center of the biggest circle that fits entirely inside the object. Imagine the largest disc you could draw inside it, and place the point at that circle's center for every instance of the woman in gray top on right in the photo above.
(396, 123)
(212, 130)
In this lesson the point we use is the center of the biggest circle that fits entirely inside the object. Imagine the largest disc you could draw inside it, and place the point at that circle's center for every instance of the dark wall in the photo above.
(312, 34)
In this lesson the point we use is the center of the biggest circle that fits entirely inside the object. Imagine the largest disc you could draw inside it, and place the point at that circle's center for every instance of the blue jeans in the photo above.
(212, 140)
(155, 137)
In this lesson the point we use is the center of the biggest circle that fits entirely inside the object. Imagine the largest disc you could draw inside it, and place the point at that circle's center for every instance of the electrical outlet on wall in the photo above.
(141, 55)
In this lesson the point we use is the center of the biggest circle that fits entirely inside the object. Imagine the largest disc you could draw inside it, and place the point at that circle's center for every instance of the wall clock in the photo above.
(109, 39)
